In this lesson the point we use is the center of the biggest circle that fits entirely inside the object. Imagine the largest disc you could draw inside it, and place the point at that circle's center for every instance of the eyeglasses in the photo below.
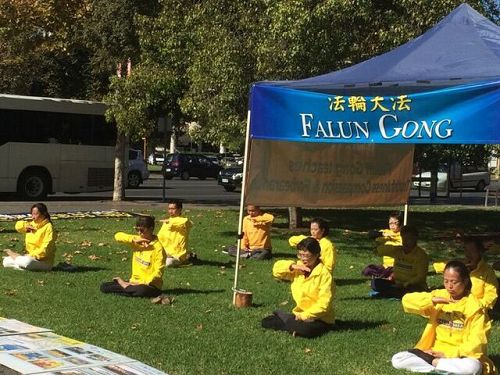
(305, 257)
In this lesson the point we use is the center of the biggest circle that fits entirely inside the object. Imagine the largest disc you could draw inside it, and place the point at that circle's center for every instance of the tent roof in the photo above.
(463, 47)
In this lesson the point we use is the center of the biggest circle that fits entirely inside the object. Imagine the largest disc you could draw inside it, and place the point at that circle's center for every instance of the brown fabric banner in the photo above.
(326, 175)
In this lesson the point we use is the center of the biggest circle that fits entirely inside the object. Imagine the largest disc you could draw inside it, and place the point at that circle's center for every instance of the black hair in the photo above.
(178, 204)
(322, 224)
(409, 229)
(460, 268)
(42, 208)
(478, 243)
(309, 244)
(396, 215)
(145, 221)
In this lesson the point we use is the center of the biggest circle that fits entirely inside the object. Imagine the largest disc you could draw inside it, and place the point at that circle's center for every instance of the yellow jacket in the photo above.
(484, 284)
(40, 244)
(313, 295)
(410, 269)
(457, 329)
(328, 252)
(174, 236)
(389, 237)
(256, 232)
(148, 262)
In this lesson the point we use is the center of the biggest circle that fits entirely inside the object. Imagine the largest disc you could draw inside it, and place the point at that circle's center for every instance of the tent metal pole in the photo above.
(405, 217)
(242, 202)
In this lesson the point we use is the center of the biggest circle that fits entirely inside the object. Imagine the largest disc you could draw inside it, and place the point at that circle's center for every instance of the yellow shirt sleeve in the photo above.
(281, 270)
(294, 240)
(419, 303)
(21, 226)
(124, 237)
(328, 256)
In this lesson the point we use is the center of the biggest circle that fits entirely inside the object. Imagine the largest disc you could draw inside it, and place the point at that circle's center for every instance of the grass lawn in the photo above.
(201, 333)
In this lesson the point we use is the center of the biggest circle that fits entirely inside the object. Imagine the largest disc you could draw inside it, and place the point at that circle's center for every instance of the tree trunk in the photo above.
(121, 161)
(294, 217)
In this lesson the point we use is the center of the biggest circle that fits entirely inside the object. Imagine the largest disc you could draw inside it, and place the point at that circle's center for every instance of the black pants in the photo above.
(140, 290)
(281, 321)
(388, 289)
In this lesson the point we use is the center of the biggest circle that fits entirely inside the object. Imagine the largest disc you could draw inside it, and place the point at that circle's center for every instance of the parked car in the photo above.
(472, 177)
(137, 169)
(186, 165)
(155, 158)
(231, 178)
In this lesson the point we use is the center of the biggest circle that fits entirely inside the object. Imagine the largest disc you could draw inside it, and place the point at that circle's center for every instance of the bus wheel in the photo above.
(33, 184)
(133, 180)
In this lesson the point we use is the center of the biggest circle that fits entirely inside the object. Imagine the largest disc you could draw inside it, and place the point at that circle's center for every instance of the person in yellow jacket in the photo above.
(391, 236)
(410, 267)
(455, 338)
(40, 242)
(148, 262)
(319, 230)
(174, 236)
(256, 240)
(484, 280)
(313, 291)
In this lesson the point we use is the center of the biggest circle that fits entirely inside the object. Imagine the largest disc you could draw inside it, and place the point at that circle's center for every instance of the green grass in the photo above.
(201, 332)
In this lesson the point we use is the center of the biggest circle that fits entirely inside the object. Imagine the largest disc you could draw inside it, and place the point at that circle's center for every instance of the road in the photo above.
(193, 191)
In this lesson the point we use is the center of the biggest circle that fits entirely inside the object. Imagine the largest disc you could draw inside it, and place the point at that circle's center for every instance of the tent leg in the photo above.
(405, 217)
(242, 202)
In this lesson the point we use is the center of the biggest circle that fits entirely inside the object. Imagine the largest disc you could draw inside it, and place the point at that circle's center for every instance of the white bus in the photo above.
(52, 145)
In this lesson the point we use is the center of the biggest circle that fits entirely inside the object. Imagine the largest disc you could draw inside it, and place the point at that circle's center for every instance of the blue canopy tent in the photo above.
(442, 87)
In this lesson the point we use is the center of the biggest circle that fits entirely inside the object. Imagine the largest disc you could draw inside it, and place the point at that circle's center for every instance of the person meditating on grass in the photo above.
(174, 236)
(313, 290)
(148, 262)
(455, 338)
(482, 275)
(256, 241)
(410, 267)
(40, 242)
(319, 230)
(391, 236)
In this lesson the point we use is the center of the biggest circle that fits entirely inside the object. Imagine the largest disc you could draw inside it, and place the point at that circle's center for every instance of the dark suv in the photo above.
(185, 165)
(230, 178)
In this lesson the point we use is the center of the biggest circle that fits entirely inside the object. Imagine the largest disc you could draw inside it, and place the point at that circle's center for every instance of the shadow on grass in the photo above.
(356, 325)
(342, 282)
(204, 262)
(79, 269)
(181, 291)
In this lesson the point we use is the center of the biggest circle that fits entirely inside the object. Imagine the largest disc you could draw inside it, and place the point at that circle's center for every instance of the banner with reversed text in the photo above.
(319, 175)
(466, 114)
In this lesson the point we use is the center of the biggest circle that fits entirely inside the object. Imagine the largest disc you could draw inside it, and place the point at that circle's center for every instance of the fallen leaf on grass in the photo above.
(199, 327)
(77, 252)
(124, 259)
(85, 243)
(13, 239)
(284, 303)
(134, 326)
(94, 257)
(40, 282)
(307, 350)
(208, 311)
(102, 244)
(11, 292)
